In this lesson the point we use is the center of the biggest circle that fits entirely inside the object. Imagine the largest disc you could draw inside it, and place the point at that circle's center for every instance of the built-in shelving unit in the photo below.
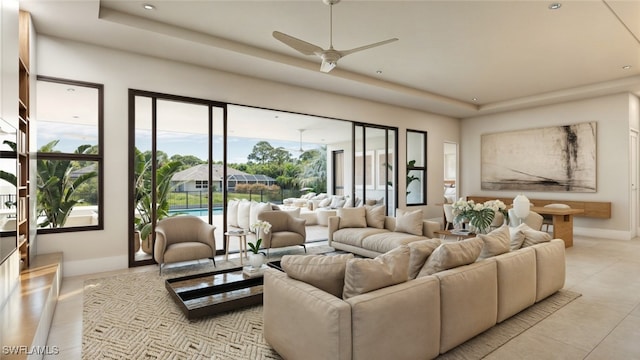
(22, 145)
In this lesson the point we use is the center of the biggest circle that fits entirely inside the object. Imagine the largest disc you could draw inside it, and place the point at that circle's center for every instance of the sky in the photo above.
(171, 143)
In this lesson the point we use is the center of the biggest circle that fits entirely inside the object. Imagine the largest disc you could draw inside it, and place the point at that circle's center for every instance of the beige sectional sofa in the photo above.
(371, 237)
(416, 319)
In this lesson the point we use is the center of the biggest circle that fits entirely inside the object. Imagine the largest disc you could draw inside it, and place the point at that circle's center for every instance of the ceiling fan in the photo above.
(329, 56)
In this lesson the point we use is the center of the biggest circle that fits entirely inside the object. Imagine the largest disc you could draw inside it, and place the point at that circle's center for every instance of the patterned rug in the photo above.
(132, 316)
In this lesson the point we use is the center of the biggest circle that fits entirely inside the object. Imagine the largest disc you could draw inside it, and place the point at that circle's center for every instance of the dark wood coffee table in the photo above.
(215, 292)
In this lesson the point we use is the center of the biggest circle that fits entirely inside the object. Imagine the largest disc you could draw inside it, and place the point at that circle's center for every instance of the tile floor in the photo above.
(604, 323)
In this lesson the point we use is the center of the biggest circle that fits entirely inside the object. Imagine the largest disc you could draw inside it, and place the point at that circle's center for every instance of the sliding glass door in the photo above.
(173, 158)
(193, 156)
(374, 169)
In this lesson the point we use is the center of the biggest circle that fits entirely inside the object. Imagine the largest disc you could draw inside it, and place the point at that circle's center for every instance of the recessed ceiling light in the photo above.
(71, 89)
(626, 67)
(378, 72)
(475, 99)
(148, 7)
(555, 6)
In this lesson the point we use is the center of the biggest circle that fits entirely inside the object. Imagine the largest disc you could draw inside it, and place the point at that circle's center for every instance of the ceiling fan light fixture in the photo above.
(329, 56)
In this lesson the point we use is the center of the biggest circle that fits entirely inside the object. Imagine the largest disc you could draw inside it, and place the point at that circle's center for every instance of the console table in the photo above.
(562, 222)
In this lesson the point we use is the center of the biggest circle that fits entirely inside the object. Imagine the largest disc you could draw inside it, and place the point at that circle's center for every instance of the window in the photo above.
(69, 162)
(416, 167)
(202, 184)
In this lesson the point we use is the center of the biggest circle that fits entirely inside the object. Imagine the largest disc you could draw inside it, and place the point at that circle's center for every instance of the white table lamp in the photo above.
(521, 207)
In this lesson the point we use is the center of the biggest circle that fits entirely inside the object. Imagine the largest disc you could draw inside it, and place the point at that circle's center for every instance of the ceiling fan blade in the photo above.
(347, 52)
(327, 66)
(300, 45)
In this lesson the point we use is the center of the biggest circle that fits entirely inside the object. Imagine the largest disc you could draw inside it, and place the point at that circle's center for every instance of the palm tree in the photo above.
(314, 173)
(143, 191)
(56, 186)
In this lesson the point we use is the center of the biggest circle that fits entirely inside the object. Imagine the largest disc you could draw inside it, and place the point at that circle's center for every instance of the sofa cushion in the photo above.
(451, 255)
(533, 237)
(495, 243)
(324, 272)
(244, 209)
(409, 222)
(352, 218)
(232, 213)
(295, 212)
(375, 216)
(387, 241)
(364, 275)
(354, 236)
(419, 251)
(255, 209)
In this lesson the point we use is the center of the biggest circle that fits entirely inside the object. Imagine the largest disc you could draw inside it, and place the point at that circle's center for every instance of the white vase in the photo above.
(256, 260)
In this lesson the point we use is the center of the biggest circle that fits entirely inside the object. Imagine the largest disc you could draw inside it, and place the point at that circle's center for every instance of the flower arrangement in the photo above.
(479, 215)
(259, 227)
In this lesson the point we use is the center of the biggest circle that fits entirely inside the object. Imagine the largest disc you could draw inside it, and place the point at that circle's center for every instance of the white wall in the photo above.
(87, 252)
(612, 114)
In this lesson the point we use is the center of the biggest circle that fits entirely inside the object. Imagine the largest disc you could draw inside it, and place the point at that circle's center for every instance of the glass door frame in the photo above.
(133, 93)
(354, 149)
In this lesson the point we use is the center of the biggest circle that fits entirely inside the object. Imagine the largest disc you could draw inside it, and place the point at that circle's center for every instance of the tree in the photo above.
(263, 153)
(143, 192)
(187, 161)
(314, 173)
(56, 187)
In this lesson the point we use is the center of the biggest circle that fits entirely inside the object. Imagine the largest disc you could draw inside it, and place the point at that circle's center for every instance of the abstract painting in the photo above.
(557, 158)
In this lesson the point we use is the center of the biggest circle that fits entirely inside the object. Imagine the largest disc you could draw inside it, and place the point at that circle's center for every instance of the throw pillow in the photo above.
(365, 275)
(375, 216)
(410, 222)
(517, 236)
(451, 255)
(532, 237)
(495, 243)
(322, 271)
(244, 207)
(325, 202)
(419, 251)
(352, 217)
(337, 201)
(232, 213)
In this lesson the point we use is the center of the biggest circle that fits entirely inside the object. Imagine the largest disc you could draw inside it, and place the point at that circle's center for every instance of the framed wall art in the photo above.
(557, 158)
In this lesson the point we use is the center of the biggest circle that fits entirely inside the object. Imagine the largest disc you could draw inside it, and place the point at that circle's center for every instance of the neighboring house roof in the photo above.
(200, 172)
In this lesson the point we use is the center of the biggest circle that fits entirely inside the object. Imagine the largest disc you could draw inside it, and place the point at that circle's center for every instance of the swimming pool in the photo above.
(196, 212)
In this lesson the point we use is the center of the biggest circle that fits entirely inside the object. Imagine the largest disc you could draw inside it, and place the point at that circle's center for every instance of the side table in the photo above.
(242, 241)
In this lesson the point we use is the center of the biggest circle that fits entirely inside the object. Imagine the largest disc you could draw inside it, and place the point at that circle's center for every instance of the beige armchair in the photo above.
(183, 238)
(285, 230)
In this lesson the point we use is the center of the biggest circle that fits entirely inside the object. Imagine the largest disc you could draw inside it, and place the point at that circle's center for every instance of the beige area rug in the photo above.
(132, 316)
